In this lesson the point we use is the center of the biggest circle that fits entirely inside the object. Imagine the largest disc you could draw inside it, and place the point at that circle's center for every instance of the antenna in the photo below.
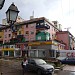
(33, 13)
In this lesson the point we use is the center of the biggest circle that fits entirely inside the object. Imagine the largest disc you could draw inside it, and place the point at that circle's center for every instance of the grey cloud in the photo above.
(26, 7)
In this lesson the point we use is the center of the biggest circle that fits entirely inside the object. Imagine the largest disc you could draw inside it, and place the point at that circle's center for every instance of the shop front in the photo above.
(17, 52)
(47, 49)
(8, 52)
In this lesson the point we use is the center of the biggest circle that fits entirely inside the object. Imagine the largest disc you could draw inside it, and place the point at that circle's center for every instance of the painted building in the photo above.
(28, 32)
(7, 36)
(1, 40)
(9, 50)
(67, 38)
(36, 29)
(45, 49)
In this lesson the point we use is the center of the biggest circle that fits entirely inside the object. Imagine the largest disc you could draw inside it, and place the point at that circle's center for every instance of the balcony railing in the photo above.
(44, 26)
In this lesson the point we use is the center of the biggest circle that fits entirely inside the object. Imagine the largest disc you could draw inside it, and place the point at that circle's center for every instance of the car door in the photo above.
(32, 65)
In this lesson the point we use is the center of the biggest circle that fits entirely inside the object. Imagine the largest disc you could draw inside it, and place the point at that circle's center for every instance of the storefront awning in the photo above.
(7, 49)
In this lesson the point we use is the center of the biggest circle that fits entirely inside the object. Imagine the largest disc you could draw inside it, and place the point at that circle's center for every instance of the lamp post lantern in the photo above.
(1, 3)
(11, 15)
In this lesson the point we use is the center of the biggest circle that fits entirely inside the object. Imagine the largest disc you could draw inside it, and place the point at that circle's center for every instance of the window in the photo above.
(19, 32)
(27, 32)
(9, 35)
(33, 53)
(41, 53)
(39, 38)
(11, 46)
(27, 26)
(5, 52)
(32, 32)
(41, 23)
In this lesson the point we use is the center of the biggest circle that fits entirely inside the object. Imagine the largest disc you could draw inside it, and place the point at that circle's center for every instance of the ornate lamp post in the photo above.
(1, 3)
(11, 15)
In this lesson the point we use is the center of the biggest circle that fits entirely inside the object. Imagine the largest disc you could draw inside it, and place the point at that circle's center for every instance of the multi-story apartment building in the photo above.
(1, 40)
(67, 38)
(34, 38)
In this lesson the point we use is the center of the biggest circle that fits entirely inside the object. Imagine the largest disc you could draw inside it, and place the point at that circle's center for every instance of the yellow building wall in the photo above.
(21, 30)
(1, 35)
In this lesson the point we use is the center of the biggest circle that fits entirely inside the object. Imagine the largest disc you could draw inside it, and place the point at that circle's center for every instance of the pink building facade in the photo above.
(67, 38)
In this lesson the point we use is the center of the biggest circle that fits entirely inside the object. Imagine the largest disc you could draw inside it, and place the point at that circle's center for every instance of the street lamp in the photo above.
(1, 3)
(11, 15)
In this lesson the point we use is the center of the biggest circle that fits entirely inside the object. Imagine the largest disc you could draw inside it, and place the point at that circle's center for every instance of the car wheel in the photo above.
(51, 74)
(39, 72)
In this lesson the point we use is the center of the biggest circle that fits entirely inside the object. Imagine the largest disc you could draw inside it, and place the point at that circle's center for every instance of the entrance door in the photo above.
(25, 53)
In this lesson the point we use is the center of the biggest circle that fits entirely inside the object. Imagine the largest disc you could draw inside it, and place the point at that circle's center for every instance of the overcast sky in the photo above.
(61, 10)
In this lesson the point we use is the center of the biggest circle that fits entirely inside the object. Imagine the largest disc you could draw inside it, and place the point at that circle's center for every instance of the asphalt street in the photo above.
(13, 67)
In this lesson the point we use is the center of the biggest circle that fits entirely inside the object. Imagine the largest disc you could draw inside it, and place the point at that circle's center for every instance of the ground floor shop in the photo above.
(43, 53)
(40, 53)
(11, 52)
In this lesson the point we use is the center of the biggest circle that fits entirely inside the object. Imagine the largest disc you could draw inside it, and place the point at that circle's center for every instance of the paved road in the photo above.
(68, 70)
(12, 67)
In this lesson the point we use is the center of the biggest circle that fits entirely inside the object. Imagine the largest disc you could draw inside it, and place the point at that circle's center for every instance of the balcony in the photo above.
(43, 26)
(42, 36)
(13, 40)
(20, 36)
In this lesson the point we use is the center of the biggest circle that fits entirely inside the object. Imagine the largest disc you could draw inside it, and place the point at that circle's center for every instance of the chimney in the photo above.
(31, 17)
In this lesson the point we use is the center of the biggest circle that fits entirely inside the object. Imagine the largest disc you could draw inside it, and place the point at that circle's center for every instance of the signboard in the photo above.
(7, 49)
(67, 53)
(70, 54)
(40, 43)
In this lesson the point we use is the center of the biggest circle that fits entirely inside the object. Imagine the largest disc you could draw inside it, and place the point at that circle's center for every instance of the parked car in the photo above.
(68, 61)
(39, 66)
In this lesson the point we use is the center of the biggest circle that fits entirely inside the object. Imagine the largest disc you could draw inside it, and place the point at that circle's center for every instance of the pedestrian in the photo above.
(23, 64)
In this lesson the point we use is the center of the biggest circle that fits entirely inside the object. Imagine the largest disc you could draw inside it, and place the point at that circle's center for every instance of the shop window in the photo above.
(41, 53)
(11, 46)
(33, 53)
(52, 53)
(11, 53)
(17, 53)
(5, 52)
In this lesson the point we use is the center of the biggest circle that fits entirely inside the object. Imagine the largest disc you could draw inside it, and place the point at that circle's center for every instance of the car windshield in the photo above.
(40, 61)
